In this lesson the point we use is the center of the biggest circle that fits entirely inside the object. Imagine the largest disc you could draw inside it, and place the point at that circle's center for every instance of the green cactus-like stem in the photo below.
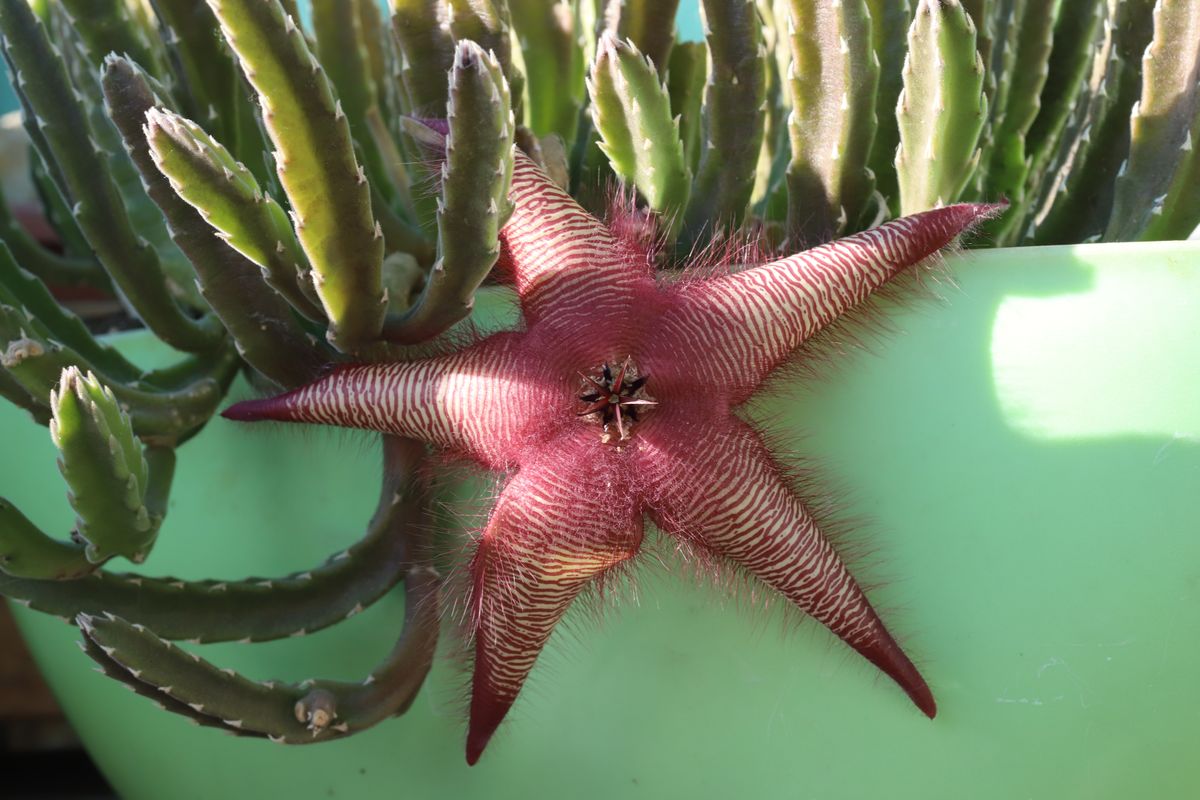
(102, 463)
(769, 198)
(1007, 19)
(1058, 166)
(220, 365)
(488, 24)
(990, 20)
(342, 49)
(110, 668)
(648, 24)
(685, 84)
(260, 609)
(1008, 163)
(211, 88)
(109, 27)
(555, 161)
(160, 415)
(59, 269)
(314, 156)
(1178, 214)
(313, 710)
(306, 713)
(392, 162)
(423, 31)
(19, 288)
(27, 552)
(12, 391)
(399, 236)
(1159, 181)
(475, 177)
(1079, 204)
(1075, 41)
(98, 207)
(260, 321)
(374, 42)
(225, 194)
(403, 277)
(942, 108)
(833, 81)
(55, 206)
(29, 312)
(632, 112)
(987, 16)
(392, 92)
(887, 18)
(144, 216)
(733, 117)
(554, 66)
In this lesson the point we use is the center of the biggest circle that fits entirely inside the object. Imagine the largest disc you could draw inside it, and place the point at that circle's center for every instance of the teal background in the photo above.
(1026, 455)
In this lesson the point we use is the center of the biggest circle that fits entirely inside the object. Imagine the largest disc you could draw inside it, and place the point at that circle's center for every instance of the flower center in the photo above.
(615, 398)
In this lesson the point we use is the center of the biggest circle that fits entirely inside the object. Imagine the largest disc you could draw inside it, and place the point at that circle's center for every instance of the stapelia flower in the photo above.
(616, 403)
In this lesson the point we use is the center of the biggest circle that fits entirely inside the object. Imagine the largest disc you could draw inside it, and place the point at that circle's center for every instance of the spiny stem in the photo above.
(648, 24)
(311, 711)
(554, 66)
(833, 81)
(259, 320)
(1156, 191)
(257, 609)
(632, 112)
(733, 116)
(64, 131)
(942, 108)
(476, 176)
(315, 159)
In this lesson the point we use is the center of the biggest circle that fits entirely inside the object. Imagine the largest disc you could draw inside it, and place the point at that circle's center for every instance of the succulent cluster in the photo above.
(262, 198)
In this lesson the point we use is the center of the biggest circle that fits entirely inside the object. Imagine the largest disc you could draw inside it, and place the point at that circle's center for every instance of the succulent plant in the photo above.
(318, 209)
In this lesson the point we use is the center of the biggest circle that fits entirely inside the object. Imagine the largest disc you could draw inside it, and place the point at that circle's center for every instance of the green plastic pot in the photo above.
(1028, 450)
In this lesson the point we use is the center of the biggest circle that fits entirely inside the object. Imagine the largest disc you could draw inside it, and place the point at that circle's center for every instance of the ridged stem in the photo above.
(19, 288)
(1079, 204)
(733, 116)
(1158, 186)
(554, 66)
(942, 108)
(327, 189)
(649, 24)
(833, 81)
(475, 177)
(1008, 164)
(311, 711)
(423, 30)
(888, 17)
(1075, 41)
(259, 320)
(63, 129)
(632, 112)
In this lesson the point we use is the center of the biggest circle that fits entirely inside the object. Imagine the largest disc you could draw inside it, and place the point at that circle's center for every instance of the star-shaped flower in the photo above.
(615, 403)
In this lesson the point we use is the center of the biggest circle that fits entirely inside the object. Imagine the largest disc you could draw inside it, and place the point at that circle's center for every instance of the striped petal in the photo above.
(559, 524)
(482, 401)
(737, 328)
(721, 490)
(572, 274)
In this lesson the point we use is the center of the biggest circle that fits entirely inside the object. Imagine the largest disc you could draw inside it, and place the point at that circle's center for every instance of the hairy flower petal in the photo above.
(737, 328)
(558, 525)
(723, 492)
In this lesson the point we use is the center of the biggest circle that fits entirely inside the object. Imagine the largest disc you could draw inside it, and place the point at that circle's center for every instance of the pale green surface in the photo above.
(1030, 451)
